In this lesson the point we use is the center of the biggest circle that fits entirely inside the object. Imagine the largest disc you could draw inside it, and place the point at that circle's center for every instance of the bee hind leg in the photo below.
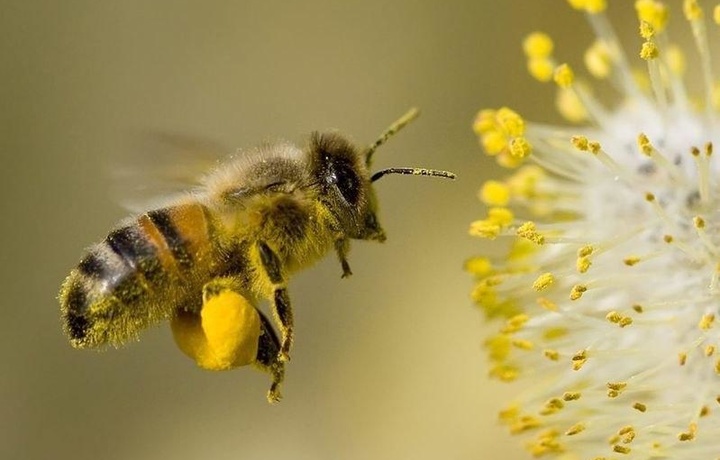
(280, 300)
(342, 247)
(268, 358)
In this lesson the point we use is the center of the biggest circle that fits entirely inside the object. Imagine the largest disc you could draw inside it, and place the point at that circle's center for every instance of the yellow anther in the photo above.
(585, 251)
(615, 389)
(493, 142)
(645, 145)
(621, 449)
(649, 197)
(571, 395)
(484, 122)
(699, 222)
(529, 232)
(688, 435)
(668, 239)
(694, 151)
(717, 367)
(640, 407)
(520, 147)
(649, 51)
(692, 10)
(543, 282)
(552, 355)
(500, 216)
(547, 304)
(704, 411)
(598, 60)
(647, 31)
(485, 229)
(613, 317)
(506, 160)
(564, 76)
(653, 12)
(510, 122)
(495, 193)
(638, 308)
(577, 291)
(589, 6)
(556, 403)
(478, 266)
(579, 359)
(575, 429)
(525, 423)
(632, 260)
(515, 323)
(716, 14)
(580, 142)
(583, 264)
(498, 347)
(710, 350)
(706, 322)
(625, 321)
(541, 69)
(504, 372)
(554, 333)
(570, 106)
(682, 358)
(594, 147)
(523, 344)
(538, 45)
(708, 149)
(675, 59)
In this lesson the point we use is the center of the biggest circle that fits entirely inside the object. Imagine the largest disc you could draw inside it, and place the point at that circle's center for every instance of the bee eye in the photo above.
(347, 181)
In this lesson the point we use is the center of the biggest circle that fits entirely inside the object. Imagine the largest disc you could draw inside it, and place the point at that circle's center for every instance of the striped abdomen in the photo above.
(138, 276)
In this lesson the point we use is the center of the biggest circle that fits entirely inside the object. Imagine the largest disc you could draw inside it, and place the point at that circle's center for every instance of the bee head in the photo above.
(346, 181)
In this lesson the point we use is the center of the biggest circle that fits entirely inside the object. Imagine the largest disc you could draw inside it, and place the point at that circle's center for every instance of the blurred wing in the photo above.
(161, 166)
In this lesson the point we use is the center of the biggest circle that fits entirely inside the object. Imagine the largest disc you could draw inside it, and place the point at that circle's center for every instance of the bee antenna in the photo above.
(413, 172)
(399, 124)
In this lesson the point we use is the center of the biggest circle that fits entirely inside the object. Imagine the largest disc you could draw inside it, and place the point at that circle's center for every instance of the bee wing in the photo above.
(162, 166)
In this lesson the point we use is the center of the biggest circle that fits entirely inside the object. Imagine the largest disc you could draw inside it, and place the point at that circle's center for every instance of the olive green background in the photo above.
(387, 364)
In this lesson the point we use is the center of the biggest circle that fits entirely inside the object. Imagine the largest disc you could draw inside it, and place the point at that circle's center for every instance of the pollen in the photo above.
(530, 233)
(538, 45)
(653, 12)
(649, 51)
(543, 282)
(495, 193)
(564, 76)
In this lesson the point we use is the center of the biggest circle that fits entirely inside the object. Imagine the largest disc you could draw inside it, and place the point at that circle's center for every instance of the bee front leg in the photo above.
(280, 300)
(342, 247)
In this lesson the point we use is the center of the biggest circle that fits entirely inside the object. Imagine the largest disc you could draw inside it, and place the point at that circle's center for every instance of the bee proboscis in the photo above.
(205, 261)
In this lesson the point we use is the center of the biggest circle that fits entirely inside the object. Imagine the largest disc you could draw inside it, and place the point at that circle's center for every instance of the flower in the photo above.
(608, 297)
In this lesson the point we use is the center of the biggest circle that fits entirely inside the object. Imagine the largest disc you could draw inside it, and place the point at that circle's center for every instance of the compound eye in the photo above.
(347, 182)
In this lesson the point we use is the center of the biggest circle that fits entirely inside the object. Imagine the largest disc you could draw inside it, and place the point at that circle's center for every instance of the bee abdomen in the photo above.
(136, 276)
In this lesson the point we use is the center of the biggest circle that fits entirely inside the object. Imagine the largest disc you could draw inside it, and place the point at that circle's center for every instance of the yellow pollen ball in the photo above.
(570, 106)
(675, 60)
(501, 216)
(495, 193)
(520, 147)
(538, 45)
(541, 69)
(598, 60)
(692, 10)
(716, 14)
(510, 122)
(653, 12)
(479, 266)
(543, 282)
(494, 142)
(649, 51)
(646, 30)
(484, 122)
(564, 76)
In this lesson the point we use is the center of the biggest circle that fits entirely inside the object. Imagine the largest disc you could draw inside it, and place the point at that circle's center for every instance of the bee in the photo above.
(206, 261)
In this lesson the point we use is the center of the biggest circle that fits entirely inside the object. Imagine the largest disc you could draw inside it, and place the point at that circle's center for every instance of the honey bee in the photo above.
(205, 261)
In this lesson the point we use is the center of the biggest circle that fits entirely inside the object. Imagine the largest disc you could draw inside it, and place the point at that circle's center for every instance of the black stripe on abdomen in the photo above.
(135, 251)
(162, 219)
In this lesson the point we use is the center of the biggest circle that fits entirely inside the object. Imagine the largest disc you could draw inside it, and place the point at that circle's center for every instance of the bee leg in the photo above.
(224, 333)
(280, 299)
(268, 360)
(342, 247)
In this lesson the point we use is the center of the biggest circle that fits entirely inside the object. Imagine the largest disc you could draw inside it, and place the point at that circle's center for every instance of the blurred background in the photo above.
(387, 364)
